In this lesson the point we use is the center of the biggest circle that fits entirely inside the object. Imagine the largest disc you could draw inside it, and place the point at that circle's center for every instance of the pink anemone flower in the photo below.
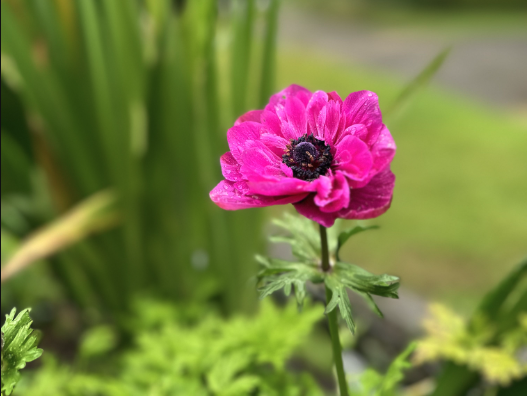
(328, 157)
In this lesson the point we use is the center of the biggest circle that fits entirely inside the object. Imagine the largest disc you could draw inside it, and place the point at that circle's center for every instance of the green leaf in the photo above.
(96, 213)
(19, 347)
(339, 297)
(97, 341)
(360, 280)
(281, 274)
(395, 373)
(418, 82)
(269, 53)
(243, 23)
(492, 302)
(304, 239)
(348, 276)
(371, 303)
(345, 235)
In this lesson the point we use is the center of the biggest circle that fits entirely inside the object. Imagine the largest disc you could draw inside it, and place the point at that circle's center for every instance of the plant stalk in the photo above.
(332, 320)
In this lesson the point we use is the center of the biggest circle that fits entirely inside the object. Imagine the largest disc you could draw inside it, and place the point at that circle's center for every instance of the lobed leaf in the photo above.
(281, 274)
(19, 346)
(304, 241)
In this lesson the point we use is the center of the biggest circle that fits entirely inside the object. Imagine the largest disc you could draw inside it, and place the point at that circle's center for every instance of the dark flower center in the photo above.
(308, 157)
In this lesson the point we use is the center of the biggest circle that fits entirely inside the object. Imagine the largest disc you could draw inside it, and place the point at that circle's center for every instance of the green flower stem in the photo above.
(332, 319)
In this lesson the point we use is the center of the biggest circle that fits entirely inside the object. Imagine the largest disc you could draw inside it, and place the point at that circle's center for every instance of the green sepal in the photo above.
(345, 235)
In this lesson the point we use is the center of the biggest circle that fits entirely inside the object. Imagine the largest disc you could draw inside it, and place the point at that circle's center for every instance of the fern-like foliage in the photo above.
(305, 244)
(202, 356)
(19, 346)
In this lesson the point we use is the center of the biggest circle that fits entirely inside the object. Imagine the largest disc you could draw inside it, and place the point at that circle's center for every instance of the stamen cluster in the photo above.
(308, 157)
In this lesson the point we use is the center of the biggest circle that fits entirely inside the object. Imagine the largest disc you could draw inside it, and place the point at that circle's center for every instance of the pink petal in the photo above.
(275, 143)
(363, 108)
(230, 167)
(332, 121)
(372, 200)
(287, 170)
(383, 150)
(353, 158)
(293, 118)
(284, 186)
(260, 163)
(382, 153)
(333, 95)
(295, 91)
(271, 123)
(334, 198)
(315, 120)
(253, 115)
(358, 130)
(239, 135)
(309, 209)
(228, 197)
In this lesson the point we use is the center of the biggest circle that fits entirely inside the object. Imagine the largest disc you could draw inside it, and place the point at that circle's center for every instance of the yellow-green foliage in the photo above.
(189, 351)
(449, 338)
(19, 346)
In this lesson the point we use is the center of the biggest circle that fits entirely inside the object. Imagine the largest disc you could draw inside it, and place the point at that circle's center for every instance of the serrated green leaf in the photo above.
(20, 347)
(332, 303)
(371, 303)
(345, 309)
(358, 279)
(345, 235)
(305, 241)
(278, 274)
(300, 292)
(339, 297)
(348, 276)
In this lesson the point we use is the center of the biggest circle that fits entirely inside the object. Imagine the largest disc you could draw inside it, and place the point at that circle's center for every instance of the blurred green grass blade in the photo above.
(102, 99)
(454, 380)
(16, 167)
(171, 186)
(48, 17)
(417, 84)
(95, 214)
(126, 72)
(268, 73)
(493, 301)
(43, 96)
(243, 21)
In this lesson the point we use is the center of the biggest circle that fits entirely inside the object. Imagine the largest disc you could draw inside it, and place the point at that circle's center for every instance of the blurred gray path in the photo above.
(490, 67)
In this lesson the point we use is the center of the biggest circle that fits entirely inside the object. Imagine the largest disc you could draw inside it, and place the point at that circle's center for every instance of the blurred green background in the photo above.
(133, 99)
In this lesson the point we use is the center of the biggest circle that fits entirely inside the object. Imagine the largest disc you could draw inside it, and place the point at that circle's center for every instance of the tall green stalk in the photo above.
(128, 96)
(332, 319)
